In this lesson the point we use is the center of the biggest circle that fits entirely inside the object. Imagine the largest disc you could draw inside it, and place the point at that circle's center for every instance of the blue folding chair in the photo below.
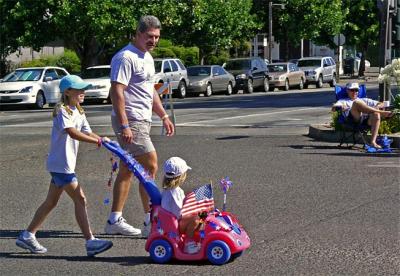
(348, 128)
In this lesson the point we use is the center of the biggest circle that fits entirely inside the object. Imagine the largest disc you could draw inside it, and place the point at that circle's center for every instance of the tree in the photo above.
(362, 26)
(316, 20)
(214, 24)
(89, 27)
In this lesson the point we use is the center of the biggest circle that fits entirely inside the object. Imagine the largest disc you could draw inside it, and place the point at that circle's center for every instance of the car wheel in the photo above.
(266, 84)
(333, 82)
(218, 252)
(229, 89)
(40, 100)
(249, 88)
(160, 251)
(320, 82)
(209, 91)
(301, 84)
(286, 87)
(181, 90)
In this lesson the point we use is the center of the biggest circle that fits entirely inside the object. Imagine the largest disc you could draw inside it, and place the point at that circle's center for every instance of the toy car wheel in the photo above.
(218, 252)
(160, 251)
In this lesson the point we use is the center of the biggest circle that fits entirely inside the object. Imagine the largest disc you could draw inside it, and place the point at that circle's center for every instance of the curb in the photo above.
(326, 133)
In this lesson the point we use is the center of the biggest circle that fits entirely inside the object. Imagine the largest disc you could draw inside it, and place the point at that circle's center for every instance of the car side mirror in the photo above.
(48, 79)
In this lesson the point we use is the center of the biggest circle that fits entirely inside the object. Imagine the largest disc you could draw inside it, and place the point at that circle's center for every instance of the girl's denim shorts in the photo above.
(63, 179)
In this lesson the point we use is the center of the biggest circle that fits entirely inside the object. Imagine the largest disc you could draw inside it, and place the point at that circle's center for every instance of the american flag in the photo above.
(201, 199)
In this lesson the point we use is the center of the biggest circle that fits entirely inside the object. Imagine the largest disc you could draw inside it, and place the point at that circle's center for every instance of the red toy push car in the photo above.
(220, 236)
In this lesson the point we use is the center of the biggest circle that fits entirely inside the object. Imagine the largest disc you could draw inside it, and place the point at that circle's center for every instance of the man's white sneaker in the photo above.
(120, 227)
(146, 229)
(31, 244)
(96, 246)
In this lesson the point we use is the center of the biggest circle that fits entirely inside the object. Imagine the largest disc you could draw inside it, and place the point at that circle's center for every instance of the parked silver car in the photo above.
(285, 75)
(208, 79)
(36, 86)
(318, 70)
(172, 70)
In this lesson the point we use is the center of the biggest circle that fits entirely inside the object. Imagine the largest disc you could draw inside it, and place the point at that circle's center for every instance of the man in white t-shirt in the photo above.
(362, 110)
(134, 99)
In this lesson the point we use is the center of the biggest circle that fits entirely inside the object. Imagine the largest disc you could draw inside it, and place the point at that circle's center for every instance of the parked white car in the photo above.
(99, 77)
(36, 86)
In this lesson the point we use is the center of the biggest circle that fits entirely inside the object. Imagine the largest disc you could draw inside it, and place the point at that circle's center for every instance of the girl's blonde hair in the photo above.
(171, 183)
(64, 103)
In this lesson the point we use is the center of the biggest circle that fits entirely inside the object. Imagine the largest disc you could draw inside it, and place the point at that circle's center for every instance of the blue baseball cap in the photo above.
(73, 81)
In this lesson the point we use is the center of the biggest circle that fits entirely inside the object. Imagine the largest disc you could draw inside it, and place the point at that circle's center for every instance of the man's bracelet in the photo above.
(124, 126)
(164, 117)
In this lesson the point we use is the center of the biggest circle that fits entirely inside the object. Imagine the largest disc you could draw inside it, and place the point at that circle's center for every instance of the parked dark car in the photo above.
(250, 73)
(208, 79)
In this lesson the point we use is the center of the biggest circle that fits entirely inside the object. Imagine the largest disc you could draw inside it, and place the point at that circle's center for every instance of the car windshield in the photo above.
(157, 65)
(96, 73)
(309, 63)
(277, 68)
(238, 64)
(199, 71)
(24, 75)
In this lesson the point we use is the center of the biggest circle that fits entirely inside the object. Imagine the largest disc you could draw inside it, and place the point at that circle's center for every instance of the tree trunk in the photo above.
(89, 52)
(361, 70)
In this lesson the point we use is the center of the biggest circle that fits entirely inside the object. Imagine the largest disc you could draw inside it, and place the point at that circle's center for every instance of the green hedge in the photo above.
(165, 48)
(69, 60)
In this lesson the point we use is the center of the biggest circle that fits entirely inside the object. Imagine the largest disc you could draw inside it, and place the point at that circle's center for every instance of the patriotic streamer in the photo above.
(225, 184)
(114, 168)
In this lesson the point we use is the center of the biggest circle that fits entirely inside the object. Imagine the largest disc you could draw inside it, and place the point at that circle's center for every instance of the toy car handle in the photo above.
(137, 169)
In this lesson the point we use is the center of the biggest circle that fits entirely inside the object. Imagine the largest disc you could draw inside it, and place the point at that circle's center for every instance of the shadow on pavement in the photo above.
(123, 260)
(54, 234)
(345, 151)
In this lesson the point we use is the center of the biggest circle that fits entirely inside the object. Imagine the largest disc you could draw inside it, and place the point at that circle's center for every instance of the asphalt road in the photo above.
(309, 207)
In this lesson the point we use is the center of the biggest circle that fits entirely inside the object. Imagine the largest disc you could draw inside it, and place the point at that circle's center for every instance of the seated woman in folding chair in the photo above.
(363, 110)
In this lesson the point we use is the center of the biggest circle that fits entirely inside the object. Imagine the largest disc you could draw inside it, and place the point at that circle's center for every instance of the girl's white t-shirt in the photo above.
(172, 200)
(63, 149)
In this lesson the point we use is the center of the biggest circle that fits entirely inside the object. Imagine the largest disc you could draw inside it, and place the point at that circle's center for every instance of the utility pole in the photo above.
(270, 31)
(383, 6)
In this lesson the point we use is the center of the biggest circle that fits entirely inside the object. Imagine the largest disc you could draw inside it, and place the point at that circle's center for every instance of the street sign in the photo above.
(339, 39)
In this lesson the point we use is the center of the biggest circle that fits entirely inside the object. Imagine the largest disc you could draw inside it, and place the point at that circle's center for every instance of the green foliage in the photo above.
(69, 60)
(220, 58)
(189, 55)
(334, 123)
(214, 24)
(316, 20)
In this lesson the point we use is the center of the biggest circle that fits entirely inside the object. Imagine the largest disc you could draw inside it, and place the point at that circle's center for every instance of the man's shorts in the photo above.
(363, 120)
(63, 179)
(142, 143)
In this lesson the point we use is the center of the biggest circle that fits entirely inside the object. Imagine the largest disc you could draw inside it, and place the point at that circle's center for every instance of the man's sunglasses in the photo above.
(353, 90)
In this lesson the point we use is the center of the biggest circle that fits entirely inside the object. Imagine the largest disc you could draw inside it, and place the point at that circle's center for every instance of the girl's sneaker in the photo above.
(31, 244)
(96, 246)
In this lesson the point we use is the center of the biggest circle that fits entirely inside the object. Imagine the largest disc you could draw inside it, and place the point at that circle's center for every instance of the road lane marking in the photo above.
(254, 115)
